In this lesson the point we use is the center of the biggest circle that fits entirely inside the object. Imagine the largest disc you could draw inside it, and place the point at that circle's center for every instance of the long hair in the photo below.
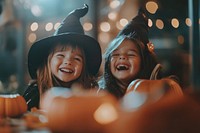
(46, 80)
(148, 62)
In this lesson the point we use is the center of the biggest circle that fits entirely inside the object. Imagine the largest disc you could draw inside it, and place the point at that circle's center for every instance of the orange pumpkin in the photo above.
(142, 91)
(172, 114)
(48, 96)
(12, 105)
(82, 113)
(167, 85)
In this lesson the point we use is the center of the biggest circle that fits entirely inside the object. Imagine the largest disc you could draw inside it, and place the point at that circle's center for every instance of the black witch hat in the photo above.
(69, 30)
(137, 27)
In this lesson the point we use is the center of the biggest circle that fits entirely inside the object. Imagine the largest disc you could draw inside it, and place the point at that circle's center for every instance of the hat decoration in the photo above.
(70, 30)
(72, 23)
(150, 47)
(137, 27)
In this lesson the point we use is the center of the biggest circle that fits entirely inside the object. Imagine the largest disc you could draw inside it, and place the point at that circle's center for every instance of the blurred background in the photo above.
(174, 30)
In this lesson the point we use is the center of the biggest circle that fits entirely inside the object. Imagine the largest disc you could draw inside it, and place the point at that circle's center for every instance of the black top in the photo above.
(32, 96)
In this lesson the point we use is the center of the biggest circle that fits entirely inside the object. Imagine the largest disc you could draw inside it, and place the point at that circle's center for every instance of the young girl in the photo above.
(128, 57)
(68, 57)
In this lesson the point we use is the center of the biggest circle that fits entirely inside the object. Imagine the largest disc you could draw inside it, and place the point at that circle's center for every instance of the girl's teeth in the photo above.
(122, 67)
(66, 70)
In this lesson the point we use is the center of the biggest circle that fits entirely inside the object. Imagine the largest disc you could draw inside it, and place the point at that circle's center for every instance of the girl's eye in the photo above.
(114, 55)
(59, 55)
(78, 58)
(131, 55)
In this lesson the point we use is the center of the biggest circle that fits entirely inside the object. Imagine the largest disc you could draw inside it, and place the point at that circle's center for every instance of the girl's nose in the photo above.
(67, 61)
(122, 57)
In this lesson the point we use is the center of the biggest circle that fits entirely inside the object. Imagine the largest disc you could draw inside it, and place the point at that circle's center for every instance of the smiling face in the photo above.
(67, 64)
(125, 62)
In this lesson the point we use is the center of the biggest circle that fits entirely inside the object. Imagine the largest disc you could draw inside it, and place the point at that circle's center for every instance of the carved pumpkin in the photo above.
(82, 113)
(12, 105)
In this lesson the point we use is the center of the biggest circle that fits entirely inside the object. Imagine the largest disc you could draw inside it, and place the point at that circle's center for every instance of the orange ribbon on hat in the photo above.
(150, 47)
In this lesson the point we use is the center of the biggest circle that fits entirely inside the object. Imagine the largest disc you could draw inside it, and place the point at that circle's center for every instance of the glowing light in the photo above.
(104, 37)
(34, 26)
(175, 23)
(151, 7)
(188, 22)
(106, 113)
(43, 118)
(49, 27)
(123, 22)
(180, 39)
(105, 26)
(87, 26)
(159, 24)
(150, 23)
(56, 26)
(119, 26)
(32, 37)
(133, 100)
(112, 15)
(114, 4)
(36, 11)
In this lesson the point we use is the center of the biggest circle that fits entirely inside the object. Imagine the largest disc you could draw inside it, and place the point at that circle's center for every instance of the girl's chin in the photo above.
(65, 80)
(125, 78)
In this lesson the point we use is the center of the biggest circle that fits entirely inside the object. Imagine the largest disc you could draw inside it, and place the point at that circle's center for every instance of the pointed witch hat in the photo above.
(70, 30)
(137, 27)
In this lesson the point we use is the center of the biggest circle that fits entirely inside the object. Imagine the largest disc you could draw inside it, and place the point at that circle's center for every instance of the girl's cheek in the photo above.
(53, 62)
(112, 62)
(112, 59)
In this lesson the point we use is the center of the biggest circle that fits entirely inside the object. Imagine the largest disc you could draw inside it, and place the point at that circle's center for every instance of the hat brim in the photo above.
(39, 51)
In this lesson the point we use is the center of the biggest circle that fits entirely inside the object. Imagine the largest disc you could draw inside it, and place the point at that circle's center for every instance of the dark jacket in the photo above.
(32, 96)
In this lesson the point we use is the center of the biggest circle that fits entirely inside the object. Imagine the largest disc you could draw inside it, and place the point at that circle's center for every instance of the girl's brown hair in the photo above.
(148, 62)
